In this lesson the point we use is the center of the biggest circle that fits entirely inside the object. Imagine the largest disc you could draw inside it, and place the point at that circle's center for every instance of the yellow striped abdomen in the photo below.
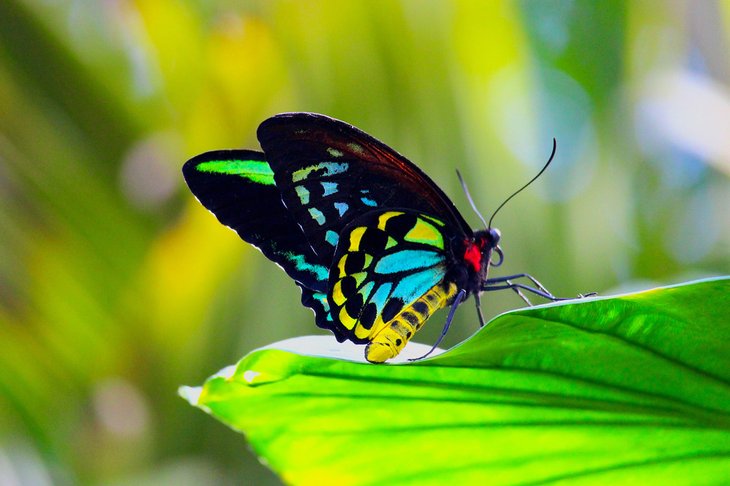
(392, 338)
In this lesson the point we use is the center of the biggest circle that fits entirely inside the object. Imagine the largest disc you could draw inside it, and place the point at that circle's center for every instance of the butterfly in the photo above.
(374, 244)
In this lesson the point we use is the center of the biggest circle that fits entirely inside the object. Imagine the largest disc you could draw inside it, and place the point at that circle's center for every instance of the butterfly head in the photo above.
(478, 252)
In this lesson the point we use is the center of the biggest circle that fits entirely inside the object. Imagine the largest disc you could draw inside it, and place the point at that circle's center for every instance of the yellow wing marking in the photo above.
(355, 237)
(341, 266)
(337, 294)
(424, 232)
(346, 320)
(383, 218)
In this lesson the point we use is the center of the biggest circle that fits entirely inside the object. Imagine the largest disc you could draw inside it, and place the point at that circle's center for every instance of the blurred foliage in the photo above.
(116, 286)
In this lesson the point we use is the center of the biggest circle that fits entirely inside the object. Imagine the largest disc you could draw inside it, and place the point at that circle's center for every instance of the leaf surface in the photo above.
(633, 388)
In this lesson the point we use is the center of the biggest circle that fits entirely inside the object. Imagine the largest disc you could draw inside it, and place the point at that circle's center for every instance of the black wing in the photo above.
(329, 173)
(238, 187)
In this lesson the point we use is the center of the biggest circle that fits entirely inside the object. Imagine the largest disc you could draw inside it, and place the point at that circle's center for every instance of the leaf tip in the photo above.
(190, 393)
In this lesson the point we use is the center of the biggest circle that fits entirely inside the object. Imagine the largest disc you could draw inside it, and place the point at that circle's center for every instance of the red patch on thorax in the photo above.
(473, 256)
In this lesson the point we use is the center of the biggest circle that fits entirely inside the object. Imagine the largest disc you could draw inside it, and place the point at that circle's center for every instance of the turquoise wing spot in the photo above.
(300, 263)
(254, 170)
(408, 260)
(317, 215)
(414, 286)
(327, 169)
(341, 207)
(381, 295)
(329, 188)
(331, 237)
(322, 298)
(368, 202)
(303, 194)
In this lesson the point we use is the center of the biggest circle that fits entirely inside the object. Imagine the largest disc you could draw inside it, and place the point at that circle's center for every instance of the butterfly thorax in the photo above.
(476, 254)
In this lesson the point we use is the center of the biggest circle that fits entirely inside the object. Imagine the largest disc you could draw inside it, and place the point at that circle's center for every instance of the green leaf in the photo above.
(634, 388)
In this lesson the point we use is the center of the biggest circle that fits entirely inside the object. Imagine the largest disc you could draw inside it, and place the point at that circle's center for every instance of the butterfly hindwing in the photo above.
(385, 261)
(330, 173)
(238, 187)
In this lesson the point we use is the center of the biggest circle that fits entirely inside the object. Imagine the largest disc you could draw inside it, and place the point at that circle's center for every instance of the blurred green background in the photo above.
(116, 286)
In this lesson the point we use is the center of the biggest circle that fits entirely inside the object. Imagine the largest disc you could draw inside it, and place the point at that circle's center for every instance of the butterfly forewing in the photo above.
(364, 233)
(238, 187)
(330, 173)
(385, 261)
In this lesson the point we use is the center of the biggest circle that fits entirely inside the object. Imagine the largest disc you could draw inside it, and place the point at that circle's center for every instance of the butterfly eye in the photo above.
(494, 236)
(498, 251)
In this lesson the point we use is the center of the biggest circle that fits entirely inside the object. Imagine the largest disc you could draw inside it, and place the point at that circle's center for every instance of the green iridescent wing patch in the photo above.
(256, 171)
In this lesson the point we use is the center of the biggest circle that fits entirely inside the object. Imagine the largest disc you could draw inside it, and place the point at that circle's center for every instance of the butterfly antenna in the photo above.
(468, 196)
(547, 164)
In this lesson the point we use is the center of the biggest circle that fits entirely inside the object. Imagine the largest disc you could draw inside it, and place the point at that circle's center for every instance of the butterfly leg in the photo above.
(501, 283)
(457, 300)
(520, 294)
(478, 302)
(529, 277)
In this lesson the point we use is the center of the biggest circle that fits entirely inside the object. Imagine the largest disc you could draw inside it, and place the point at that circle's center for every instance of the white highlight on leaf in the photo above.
(250, 376)
(226, 372)
(190, 393)
(328, 347)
